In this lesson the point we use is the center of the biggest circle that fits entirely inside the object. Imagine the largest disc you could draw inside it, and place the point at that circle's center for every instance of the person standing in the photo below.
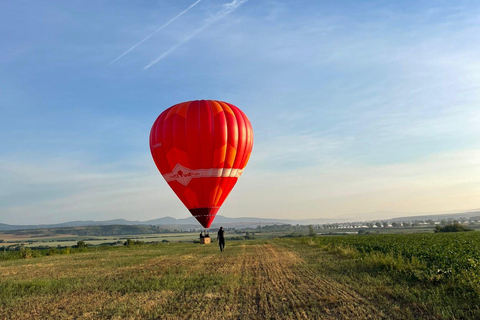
(221, 239)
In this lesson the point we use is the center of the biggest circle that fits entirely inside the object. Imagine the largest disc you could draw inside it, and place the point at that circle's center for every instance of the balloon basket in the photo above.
(205, 241)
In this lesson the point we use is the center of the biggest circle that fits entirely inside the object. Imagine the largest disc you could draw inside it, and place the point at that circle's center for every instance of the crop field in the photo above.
(430, 276)
(65, 240)
(71, 240)
(451, 253)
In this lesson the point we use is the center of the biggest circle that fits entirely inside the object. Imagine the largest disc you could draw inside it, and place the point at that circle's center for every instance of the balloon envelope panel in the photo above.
(201, 148)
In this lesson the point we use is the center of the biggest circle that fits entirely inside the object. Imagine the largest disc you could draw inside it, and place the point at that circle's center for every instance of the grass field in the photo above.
(31, 240)
(71, 240)
(299, 278)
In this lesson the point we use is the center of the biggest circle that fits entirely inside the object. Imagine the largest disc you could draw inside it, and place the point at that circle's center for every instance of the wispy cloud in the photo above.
(159, 29)
(68, 189)
(226, 10)
(440, 183)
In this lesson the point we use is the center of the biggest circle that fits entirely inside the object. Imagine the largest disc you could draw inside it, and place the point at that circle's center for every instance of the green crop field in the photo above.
(415, 276)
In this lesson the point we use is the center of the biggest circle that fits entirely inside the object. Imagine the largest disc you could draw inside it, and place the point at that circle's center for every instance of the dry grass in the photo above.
(184, 281)
(27, 237)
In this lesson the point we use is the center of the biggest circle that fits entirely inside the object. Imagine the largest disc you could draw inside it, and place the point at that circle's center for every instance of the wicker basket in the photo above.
(205, 240)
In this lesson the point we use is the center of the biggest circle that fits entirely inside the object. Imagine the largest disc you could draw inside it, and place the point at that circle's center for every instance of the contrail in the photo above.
(226, 9)
(166, 24)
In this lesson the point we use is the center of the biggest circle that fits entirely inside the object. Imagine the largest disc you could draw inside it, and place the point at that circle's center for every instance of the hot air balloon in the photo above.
(201, 148)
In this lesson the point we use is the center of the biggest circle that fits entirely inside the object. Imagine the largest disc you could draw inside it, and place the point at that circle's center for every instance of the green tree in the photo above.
(311, 232)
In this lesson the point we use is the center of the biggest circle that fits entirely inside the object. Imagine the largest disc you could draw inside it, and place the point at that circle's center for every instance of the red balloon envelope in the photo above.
(201, 148)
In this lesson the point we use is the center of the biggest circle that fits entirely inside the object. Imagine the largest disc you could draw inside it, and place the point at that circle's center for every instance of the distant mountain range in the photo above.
(245, 222)
(185, 223)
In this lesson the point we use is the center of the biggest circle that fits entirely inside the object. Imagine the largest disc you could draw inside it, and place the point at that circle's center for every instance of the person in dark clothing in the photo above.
(221, 239)
(201, 235)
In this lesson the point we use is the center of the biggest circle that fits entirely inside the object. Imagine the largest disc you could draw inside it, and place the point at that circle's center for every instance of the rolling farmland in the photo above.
(338, 277)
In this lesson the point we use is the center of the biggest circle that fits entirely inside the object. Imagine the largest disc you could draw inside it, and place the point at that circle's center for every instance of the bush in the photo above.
(25, 252)
(455, 227)
(81, 244)
(52, 252)
(131, 242)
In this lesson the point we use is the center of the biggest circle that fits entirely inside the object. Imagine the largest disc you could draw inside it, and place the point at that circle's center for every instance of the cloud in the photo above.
(156, 31)
(66, 190)
(223, 12)
(71, 190)
(435, 184)
(356, 109)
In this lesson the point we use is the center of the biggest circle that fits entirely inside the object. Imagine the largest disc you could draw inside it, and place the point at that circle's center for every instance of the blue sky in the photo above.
(361, 109)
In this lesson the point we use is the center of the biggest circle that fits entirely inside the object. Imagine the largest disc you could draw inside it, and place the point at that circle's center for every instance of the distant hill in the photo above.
(94, 231)
(184, 224)
(436, 217)
(245, 222)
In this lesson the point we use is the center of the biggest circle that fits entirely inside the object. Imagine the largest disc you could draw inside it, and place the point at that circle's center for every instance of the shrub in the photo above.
(454, 227)
(131, 242)
(52, 252)
(81, 244)
(25, 252)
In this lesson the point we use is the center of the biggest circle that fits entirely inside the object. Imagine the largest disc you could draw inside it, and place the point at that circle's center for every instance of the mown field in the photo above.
(430, 276)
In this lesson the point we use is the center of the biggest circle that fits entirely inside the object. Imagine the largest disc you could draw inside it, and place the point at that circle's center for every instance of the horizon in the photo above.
(306, 221)
(358, 109)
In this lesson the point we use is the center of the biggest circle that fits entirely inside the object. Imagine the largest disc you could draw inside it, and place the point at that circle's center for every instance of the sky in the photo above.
(361, 110)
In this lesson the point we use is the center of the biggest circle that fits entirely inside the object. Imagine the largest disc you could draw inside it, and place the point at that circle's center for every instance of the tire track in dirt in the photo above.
(283, 288)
